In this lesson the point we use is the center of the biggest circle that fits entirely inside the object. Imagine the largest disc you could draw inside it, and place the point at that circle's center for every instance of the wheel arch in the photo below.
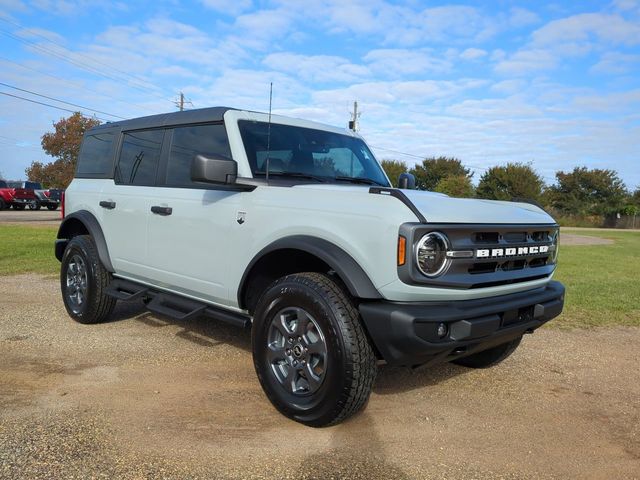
(83, 222)
(300, 253)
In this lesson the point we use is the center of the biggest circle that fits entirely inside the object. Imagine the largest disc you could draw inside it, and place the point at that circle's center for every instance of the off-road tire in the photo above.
(3, 204)
(97, 306)
(52, 207)
(351, 363)
(18, 207)
(489, 358)
(35, 205)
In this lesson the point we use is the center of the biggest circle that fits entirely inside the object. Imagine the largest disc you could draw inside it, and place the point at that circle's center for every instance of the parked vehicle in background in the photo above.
(292, 228)
(6, 195)
(32, 195)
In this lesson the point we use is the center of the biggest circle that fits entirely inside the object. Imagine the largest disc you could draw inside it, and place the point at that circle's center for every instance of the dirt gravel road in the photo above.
(30, 217)
(143, 397)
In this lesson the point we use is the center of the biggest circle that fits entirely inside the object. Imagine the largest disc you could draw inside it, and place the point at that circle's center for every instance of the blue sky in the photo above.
(555, 84)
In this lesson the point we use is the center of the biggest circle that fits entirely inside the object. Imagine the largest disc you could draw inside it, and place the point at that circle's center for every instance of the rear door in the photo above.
(191, 239)
(125, 201)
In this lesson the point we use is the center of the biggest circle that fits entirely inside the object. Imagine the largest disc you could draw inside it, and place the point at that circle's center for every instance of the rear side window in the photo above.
(187, 142)
(139, 157)
(96, 155)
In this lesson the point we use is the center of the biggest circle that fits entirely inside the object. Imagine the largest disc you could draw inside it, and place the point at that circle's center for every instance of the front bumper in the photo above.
(405, 333)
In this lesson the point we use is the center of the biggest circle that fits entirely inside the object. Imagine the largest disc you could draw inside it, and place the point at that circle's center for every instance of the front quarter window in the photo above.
(309, 153)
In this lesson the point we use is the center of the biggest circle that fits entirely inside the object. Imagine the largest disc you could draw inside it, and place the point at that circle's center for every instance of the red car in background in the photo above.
(28, 194)
(6, 195)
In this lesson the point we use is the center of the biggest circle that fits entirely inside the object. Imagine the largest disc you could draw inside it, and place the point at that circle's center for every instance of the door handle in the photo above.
(108, 205)
(158, 210)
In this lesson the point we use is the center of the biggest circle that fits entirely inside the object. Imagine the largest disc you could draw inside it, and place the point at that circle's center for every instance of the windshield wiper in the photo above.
(293, 175)
(363, 180)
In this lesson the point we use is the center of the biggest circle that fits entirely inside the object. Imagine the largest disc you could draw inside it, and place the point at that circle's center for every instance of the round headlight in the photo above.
(431, 254)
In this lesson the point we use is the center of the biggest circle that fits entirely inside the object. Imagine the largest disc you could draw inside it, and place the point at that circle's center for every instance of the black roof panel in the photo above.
(200, 115)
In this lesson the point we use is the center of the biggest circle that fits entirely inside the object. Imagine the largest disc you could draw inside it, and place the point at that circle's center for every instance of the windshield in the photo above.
(309, 154)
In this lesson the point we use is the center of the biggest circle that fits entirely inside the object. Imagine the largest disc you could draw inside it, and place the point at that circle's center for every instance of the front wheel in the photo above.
(52, 207)
(310, 351)
(492, 356)
(83, 281)
(18, 206)
(34, 205)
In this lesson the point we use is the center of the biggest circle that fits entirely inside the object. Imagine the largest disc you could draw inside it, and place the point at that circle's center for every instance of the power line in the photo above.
(77, 85)
(79, 64)
(62, 101)
(45, 104)
(422, 157)
(140, 80)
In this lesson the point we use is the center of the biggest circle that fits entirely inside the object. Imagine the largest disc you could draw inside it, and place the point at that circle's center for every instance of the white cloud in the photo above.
(588, 26)
(227, 7)
(616, 63)
(521, 17)
(526, 61)
(473, 54)
(509, 86)
(318, 68)
(402, 62)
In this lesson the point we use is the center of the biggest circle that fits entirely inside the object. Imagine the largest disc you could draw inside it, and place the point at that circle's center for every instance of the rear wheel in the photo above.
(83, 281)
(3, 204)
(52, 207)
(34, 205)
(489, 358)
(17, 206)
(310, 351)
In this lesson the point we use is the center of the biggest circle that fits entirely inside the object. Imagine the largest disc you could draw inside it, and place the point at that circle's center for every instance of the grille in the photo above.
(501, 254)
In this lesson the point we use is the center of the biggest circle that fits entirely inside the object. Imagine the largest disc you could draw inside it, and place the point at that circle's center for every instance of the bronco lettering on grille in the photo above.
(511, 252)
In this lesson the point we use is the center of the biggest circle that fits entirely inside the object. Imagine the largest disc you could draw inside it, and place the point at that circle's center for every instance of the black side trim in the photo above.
(69, 228)
(347, 268)
(399, 194)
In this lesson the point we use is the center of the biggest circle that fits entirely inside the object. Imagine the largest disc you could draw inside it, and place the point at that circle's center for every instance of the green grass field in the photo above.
(603, 281)
(27, 249)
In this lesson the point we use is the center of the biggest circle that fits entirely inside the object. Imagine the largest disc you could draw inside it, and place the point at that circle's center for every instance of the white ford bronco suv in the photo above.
(292, 228)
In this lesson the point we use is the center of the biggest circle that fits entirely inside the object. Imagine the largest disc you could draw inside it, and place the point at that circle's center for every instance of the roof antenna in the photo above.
(266, 177)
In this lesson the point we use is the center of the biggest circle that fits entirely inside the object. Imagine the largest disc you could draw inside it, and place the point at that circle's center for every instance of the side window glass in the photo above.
(139, 157)
(187, 142)
(96, 157)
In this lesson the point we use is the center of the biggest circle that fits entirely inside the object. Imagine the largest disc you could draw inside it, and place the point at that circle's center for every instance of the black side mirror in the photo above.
(214, 170)
(407, 181)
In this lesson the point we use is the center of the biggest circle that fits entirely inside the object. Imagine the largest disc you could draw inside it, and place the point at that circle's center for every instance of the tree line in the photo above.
(579, 192)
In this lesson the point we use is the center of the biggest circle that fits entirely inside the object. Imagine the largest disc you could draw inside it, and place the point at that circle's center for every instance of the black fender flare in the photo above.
(68, 228)
(356, 280)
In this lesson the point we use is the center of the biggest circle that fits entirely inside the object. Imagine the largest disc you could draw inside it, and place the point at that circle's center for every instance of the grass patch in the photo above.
(602, 281)
(27, 249)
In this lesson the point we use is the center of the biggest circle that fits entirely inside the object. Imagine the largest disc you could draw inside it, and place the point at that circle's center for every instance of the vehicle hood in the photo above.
(440, 208)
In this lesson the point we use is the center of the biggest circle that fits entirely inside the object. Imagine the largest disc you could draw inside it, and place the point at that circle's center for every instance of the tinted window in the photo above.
(139, 157)
(187, 142)
(304, 152)
(96, 155)
(3, 184)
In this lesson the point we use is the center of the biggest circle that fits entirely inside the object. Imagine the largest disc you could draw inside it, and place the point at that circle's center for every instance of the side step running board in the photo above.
(173, 306)
(126, 291)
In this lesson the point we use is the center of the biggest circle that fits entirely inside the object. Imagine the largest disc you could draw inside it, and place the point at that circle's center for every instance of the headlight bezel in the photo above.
(446, 261)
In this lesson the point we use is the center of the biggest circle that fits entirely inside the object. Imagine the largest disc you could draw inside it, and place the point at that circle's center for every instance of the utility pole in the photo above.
(181, 101)
(355, 115)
